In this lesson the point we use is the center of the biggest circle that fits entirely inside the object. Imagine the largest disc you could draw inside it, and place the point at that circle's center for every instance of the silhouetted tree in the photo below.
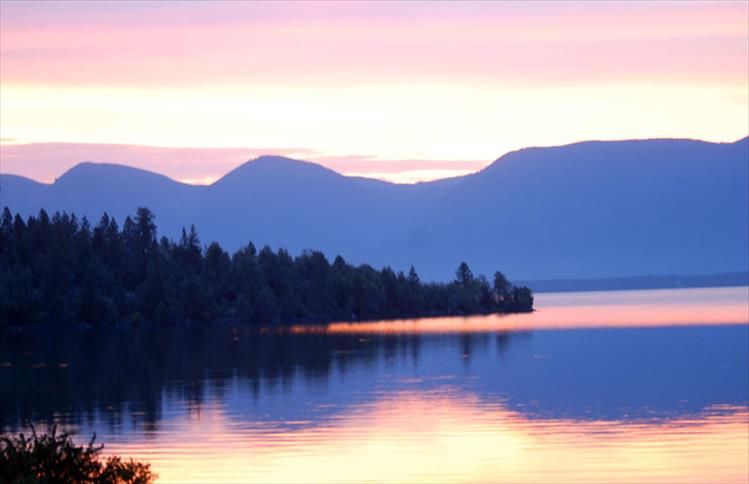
(501, 285)
(463, 274)
(56, 270)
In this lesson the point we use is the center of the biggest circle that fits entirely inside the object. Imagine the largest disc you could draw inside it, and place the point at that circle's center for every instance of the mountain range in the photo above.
(585, 210)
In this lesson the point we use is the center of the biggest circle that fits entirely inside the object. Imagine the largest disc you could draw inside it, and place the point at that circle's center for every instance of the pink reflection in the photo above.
(684, 307)
(448, 436)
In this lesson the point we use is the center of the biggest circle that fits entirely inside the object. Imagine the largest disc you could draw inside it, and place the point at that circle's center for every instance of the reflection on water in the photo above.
(624, 309)
(613, 390)
(447, 435)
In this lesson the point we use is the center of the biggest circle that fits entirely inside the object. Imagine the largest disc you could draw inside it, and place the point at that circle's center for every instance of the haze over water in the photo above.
(631, 386)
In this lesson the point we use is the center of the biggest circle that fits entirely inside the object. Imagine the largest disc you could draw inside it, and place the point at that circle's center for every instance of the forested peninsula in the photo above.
(60, 270)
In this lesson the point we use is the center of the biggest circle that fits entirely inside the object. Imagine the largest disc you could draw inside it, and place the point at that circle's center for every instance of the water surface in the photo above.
(648, 386)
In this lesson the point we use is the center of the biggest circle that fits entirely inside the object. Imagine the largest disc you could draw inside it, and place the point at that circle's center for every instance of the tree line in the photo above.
(60, 269)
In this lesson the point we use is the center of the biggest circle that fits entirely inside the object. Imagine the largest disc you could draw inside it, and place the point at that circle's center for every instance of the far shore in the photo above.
(631, 283)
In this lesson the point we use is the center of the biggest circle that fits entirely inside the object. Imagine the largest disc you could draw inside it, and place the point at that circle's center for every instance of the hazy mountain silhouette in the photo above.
(591, 209)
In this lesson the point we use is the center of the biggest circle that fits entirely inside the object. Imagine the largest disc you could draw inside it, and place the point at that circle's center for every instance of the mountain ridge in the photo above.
(265, 160)
(588, 209)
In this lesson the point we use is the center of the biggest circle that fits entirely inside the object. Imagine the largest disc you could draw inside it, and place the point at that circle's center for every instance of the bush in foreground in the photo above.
(54, 458)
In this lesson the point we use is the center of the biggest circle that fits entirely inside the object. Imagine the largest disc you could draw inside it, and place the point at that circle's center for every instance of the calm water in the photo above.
(612, 386)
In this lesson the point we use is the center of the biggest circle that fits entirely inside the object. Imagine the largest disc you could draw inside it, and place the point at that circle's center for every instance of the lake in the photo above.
(629, 386)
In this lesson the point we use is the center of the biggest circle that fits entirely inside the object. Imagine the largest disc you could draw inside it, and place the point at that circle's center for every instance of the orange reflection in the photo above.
(681, 307)
(448, 436)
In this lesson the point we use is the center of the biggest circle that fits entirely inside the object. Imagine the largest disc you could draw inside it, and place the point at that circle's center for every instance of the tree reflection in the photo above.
(49, 375)
(134, 377)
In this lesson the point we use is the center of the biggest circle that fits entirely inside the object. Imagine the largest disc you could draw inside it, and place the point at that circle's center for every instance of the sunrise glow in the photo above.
(380, 241)
(398, 91)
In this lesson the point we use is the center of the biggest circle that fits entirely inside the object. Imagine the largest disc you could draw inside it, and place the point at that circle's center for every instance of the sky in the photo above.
(402, 91)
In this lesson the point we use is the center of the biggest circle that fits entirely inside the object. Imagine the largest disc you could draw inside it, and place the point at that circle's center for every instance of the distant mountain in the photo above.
(587, 210)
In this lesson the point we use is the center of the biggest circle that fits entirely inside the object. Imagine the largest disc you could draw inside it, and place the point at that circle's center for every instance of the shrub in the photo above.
(54, 458)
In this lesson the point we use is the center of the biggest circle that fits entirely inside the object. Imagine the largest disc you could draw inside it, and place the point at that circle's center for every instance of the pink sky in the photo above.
(403, 91)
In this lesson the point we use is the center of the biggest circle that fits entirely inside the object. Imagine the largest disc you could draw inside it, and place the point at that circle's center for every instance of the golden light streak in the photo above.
(635, 309)
(442, 436)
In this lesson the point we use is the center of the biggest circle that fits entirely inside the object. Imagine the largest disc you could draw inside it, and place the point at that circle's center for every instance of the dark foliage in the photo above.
(54, 458)
(61, 270)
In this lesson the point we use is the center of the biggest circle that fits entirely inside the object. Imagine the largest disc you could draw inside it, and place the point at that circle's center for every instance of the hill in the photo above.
(586, 210)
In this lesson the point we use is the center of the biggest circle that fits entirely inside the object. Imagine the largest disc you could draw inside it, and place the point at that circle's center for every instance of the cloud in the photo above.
(424, 86)
(244, 42)
(202, 166)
